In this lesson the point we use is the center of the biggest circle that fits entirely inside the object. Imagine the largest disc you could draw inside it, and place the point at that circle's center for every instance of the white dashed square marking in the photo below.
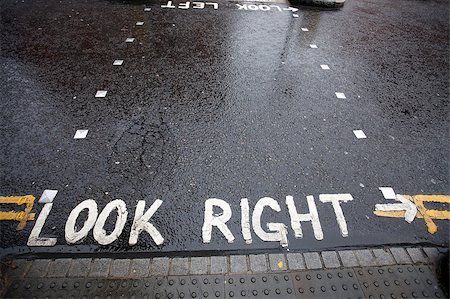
(147, 9)
(313, 46)
(359, 134)
(388, 192)
(129, 40)
(101, 93)
(340, 95)
(48, 196)
(118, 62)
(305, 29)
(324, 67)
(139, 23)
(80, 134)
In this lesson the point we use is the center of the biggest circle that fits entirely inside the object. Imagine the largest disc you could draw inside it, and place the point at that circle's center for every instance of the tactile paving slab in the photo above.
(368, 282)
(81, 288)
(327, 284)
(429, 279)
(268, 285)
(398, 282)
(47, 288)
(204, 286)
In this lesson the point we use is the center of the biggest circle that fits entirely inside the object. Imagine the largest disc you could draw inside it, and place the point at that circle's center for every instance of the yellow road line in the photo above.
(433, 198)
(22, 217)
(420, 199)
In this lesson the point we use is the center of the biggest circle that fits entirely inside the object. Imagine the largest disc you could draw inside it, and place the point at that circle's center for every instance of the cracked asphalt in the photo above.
(225, 104)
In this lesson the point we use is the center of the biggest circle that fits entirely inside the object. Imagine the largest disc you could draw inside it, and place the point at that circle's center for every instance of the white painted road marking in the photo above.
(48, 196)
(198, 5)
(405, 205)
(101, 93)
(211, 220)
(141, 223)
(274, 232)
(118, 62)
(305, 29)
(293, 9)
(268, 232)
(99, 232)
(312, 216)
(324, 67)
(147, 9)
(129, 40)
(335, 200)
(34, 239)
(186, 5)
(277, 231)
(359, 134)
(71, 235)
(139, 23)
(313, 46)
(245, 221)
(168, 5)
(388, 192)
(340, 95)
(265, 7)
(213, 4)
(80, 134)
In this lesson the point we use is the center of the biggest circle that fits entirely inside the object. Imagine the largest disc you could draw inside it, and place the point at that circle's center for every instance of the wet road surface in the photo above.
(224, 103)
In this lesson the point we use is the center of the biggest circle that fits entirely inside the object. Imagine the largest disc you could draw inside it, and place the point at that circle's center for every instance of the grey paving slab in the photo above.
(120, 268)
(277, 262)
(140, 268)
(295, 261)
(417, 255)
(312, 260)
(258, 263)
(330, 259)
(238, 264)
(80, 267)
(383, 257)
(100, 268)
(442, 249)
(348, 258)
(199, 265)
(159, 266)
(59, 267)
(219, 265)
(432, 253)
(38, 268)
(365, 257)
(179, 266)
(400, 255)
(18, 268)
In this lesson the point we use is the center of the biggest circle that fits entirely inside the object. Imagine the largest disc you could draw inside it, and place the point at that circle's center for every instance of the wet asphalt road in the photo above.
(224, 103)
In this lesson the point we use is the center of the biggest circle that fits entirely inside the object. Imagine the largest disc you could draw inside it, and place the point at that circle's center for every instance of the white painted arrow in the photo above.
(405, 205)
(293, 9)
